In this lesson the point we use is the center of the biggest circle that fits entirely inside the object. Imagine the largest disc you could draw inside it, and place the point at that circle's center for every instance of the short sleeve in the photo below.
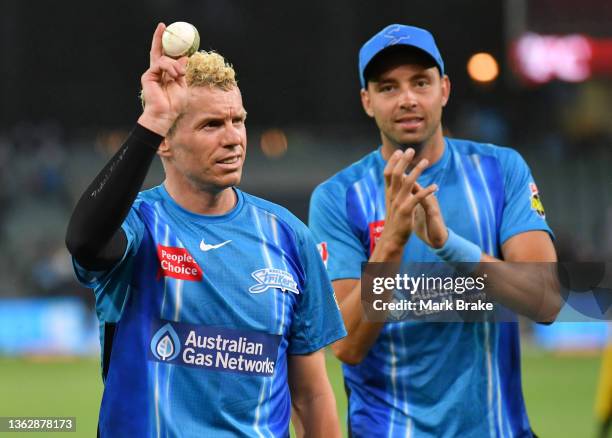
(133, 228)
(317, 321)
(523, 208)
(341, 249)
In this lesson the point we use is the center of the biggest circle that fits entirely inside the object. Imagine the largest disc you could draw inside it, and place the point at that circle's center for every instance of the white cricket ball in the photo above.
(180, 39)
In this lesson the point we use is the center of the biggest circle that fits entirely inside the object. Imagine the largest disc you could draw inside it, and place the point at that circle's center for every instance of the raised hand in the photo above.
(428, 221)
(401, 197)
(164, 88)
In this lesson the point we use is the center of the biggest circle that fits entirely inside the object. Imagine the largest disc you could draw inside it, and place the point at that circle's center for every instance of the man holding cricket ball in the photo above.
(214, 305)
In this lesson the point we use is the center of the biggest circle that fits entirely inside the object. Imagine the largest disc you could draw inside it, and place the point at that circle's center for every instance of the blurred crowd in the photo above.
(563, 132)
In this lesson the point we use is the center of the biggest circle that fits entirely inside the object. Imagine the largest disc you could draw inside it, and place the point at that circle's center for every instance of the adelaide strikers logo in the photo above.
(165, 344)
(536, 202)
(273, 278)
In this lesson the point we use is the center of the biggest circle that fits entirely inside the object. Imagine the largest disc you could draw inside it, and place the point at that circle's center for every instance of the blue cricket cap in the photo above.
(394, 35)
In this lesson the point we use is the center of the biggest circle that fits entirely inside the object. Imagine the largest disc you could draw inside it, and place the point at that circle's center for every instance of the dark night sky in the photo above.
(80, 62)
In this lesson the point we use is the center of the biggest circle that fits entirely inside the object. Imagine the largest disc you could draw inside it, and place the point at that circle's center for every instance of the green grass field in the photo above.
(559, 392)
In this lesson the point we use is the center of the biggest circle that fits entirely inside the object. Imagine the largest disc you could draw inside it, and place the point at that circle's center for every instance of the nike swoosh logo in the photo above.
(207, 247)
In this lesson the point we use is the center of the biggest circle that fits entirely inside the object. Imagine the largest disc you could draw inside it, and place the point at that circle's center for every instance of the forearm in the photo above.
(524, 282)
(94, 235)
(529, 289)
(362, 333)
(317, 416)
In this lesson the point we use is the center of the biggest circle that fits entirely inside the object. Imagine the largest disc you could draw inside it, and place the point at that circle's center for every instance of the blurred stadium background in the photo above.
(69, 81)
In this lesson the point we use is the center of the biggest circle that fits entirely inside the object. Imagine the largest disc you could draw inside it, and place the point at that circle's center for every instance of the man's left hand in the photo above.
(428, 221)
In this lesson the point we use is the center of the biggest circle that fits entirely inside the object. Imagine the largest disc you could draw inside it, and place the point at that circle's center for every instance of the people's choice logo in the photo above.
(165, 344)
(178, 263)
(273, 278)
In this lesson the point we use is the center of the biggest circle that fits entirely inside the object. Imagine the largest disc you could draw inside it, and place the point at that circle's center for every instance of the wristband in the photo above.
(458, 251)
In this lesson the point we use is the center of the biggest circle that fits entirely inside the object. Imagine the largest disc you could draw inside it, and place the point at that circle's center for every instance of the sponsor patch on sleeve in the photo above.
(536, 202)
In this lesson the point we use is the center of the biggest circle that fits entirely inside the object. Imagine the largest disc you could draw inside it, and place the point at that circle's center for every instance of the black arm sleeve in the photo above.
(94, 236)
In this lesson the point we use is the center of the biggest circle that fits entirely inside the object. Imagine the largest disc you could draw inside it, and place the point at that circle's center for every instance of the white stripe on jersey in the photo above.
(404, 385)
(487, 345)
(393, 381)
(362, 203)
(380, 200)
(274, 226)
(490, 410)
(178, 298)
(490, 217)
(259, 403)
(471, 199)
(266, 254)
(491, 214)
(166, 243)
(157, 426)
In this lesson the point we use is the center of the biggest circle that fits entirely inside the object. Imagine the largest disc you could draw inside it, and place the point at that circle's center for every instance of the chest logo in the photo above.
(165, 344)
(273, 278)
(323, 252)
(178, 263)
(376, 229)
(207, 247)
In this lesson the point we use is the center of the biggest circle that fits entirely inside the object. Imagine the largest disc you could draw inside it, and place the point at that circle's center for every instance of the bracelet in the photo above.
(459, 252)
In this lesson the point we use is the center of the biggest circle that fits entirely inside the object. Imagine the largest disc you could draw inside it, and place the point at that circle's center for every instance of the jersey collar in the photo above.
(203, 217)
(431, 170)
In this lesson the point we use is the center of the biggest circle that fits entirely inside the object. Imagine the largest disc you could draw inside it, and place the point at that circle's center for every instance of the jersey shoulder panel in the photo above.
(347, 177)
(278, 211)
(508, 161)
(150, 196)
(503, 154)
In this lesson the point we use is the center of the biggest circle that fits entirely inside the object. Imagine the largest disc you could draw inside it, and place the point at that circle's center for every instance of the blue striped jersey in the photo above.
(198, 318)
(424, 379)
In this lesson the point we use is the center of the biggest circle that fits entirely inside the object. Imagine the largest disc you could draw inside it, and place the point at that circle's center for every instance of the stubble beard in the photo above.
(418, 146)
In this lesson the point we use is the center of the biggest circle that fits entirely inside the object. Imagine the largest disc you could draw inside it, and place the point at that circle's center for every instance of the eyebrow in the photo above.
(421, 75)
(212, 117)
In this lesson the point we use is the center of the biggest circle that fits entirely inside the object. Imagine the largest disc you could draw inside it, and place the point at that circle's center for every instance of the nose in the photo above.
(232, 135)
(407, 99)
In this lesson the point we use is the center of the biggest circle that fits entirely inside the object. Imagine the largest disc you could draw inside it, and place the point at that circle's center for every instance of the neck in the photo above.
(200, 200)
(432, 149)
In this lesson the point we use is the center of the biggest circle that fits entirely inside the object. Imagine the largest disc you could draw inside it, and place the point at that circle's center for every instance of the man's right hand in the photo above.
(402, 196)
(164, 88)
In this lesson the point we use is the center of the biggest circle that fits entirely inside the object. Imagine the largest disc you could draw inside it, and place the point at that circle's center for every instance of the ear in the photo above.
(164, 150)
(365, 102)
(446, 89)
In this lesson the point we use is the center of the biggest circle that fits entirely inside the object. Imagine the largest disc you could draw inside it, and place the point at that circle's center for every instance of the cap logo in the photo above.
(395, 39)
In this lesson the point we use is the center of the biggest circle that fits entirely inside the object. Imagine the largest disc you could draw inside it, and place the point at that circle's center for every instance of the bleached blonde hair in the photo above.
(207, 69)
(210, 68)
